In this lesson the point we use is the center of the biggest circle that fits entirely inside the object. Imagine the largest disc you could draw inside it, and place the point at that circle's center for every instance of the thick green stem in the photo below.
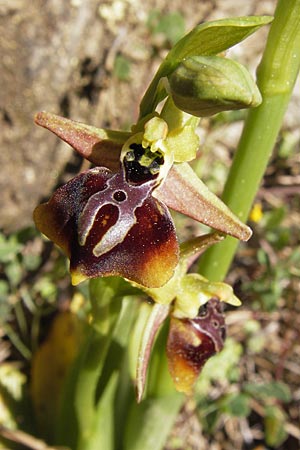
(276, 77)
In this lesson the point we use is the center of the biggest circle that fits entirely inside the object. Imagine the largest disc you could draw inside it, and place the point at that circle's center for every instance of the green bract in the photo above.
(206, 39)
(206, 85)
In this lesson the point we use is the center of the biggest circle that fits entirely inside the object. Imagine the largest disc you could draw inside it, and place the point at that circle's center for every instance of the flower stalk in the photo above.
(113, 221)
(280, 62)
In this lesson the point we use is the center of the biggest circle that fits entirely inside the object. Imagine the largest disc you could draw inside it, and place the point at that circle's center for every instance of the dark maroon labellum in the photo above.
(108, 226)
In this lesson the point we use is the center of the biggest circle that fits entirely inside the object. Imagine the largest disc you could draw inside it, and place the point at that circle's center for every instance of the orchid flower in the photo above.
(113, 219)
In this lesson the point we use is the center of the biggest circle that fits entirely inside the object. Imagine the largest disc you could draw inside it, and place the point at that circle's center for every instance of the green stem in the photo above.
(276, 77)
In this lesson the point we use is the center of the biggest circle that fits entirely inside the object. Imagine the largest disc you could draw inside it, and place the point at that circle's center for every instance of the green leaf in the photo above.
(262, 257)
(31, 261)
(288, 145)
(46, 288)
(13, 401)
(236, 405)
(275, 419)
(150, 422)
(9, 248)
(14, 272)
(47, 380)
(102, 436)
(4, 289)
(122, 68)
(295, 257)
(274, 218)
(275, 389)
(279, 237)
(171, 25)
(210, 418)
(78, 406)
(5, 304)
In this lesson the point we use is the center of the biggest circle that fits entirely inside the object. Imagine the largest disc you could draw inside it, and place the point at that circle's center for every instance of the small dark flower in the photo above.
(191, 342)
(197, 328)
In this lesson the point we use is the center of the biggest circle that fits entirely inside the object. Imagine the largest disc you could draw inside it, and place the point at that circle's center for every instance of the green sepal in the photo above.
(196, 291)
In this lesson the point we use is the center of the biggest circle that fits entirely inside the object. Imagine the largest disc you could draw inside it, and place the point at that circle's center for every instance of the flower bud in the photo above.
(205, 85)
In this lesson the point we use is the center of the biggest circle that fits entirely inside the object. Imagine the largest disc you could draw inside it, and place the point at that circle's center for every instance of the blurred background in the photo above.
(91, 61)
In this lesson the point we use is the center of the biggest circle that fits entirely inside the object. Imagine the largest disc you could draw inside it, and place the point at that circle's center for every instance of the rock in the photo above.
(42, 47)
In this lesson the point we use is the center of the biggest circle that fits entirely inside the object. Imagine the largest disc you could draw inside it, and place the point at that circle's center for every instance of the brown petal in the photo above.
(191, 342)
(183, 191)
(101, 147)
